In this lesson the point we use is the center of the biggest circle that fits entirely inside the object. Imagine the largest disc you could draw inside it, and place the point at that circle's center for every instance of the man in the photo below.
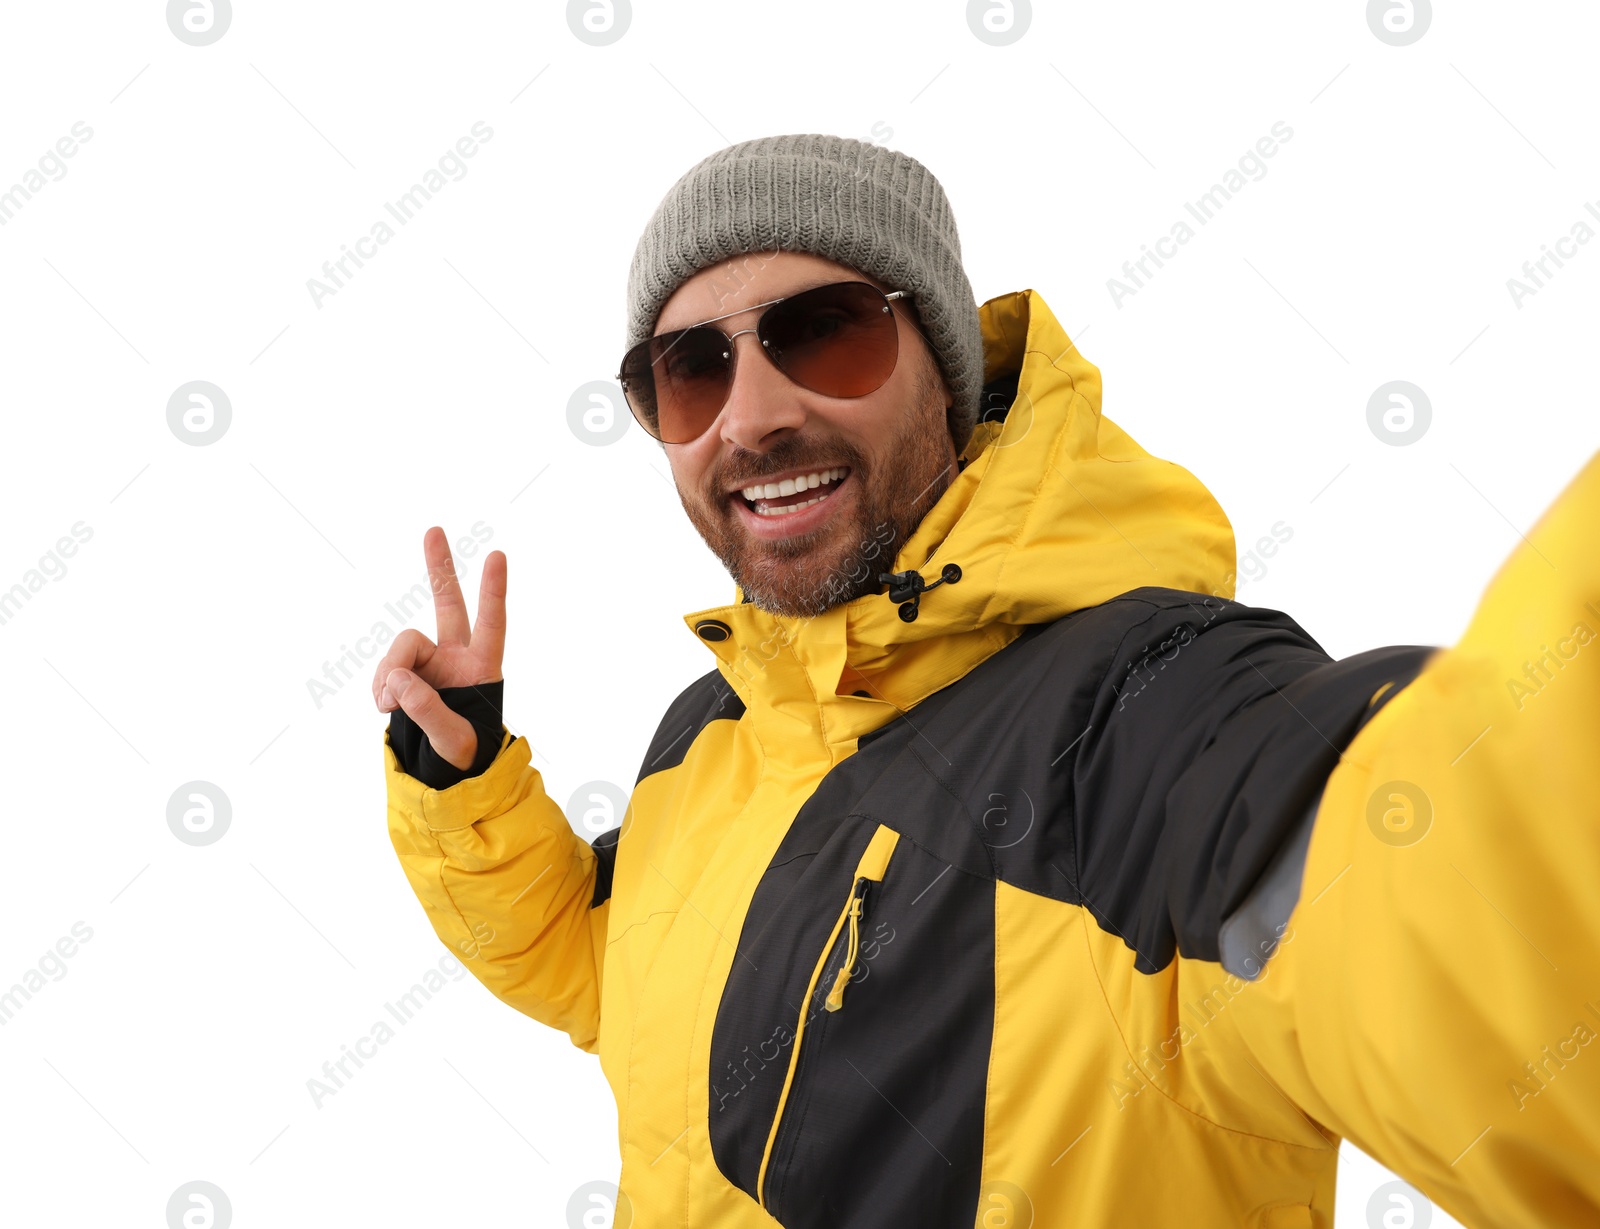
(1003, 870)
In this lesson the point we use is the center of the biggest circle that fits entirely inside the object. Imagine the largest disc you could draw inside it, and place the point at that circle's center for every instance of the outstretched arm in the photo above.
(1439, 1002)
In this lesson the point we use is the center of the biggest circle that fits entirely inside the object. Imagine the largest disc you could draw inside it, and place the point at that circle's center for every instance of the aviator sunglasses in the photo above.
(839, 340)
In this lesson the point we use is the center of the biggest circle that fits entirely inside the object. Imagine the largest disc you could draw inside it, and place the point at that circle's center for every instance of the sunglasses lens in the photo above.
(839, 340)
(676, 382)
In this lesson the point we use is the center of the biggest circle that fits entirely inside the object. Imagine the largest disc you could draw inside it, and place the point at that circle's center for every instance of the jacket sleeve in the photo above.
(507, 884)
(1436, 996)
(1209, 743)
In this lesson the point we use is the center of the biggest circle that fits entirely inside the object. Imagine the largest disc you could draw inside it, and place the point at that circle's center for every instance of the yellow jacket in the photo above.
(1088, 896)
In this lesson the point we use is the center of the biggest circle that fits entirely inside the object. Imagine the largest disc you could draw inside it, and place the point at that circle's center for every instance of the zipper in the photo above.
(870, 869)
(853, 910)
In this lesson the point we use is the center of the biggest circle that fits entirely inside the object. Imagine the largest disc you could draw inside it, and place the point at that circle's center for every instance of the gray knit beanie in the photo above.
(871, 208)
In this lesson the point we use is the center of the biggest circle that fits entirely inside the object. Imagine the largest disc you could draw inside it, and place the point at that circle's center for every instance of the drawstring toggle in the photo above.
(907, 587)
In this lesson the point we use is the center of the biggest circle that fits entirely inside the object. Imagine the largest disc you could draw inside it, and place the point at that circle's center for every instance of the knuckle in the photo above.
(408, 644)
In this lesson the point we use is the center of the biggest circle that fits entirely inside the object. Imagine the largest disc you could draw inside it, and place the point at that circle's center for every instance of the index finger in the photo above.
(450, 608)
(489, 632)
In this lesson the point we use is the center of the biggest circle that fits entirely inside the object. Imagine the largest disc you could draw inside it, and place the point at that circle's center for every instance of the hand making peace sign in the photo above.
(415, 668)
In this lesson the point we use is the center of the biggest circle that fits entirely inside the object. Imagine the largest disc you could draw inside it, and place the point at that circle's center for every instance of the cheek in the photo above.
(902, 410)
(689, 470)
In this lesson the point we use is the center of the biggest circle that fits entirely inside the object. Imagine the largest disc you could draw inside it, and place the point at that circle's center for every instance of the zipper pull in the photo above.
(836, 995)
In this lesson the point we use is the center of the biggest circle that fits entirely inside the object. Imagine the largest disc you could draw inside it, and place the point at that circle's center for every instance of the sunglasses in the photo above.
(840, 340)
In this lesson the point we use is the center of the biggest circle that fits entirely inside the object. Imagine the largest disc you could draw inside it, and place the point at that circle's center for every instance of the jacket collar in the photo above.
(1056, 509)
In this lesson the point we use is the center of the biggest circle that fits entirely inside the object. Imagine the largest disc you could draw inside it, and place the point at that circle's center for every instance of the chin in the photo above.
(804, 586)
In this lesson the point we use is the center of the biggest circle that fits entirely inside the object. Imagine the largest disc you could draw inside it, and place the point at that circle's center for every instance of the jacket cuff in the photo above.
(469, 800)
(481, 705)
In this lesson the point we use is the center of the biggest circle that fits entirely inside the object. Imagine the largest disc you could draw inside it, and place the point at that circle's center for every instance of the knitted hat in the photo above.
(871, 208)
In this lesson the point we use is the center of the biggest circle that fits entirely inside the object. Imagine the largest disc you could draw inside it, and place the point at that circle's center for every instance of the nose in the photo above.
(762, 401)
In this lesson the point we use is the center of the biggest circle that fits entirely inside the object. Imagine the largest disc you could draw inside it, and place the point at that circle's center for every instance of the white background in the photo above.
(434, 386)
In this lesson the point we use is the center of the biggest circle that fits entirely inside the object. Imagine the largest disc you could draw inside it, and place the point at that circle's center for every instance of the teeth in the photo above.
(768, 510)
(772, 490)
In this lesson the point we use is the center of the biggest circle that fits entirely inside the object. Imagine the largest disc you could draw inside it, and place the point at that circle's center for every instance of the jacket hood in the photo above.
(1057, 509)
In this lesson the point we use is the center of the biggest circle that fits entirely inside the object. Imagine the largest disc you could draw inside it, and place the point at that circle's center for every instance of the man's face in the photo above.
(888, 456)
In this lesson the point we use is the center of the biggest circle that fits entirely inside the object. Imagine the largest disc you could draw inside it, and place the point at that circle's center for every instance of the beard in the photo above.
(807, 574)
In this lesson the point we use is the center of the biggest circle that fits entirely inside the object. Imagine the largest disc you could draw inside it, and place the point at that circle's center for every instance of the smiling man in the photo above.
(794, 480)
(1001, 869)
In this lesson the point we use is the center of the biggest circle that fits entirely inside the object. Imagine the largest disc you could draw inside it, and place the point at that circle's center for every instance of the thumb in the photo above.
(451, 734)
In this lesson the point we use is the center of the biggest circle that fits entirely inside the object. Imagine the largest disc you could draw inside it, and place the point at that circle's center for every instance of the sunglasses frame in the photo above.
(888, 296)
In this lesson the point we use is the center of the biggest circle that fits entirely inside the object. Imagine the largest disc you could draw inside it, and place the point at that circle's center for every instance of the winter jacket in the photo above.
(1069, 890)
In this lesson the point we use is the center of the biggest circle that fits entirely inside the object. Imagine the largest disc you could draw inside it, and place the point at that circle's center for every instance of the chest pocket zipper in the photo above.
(836, 995)
(870, 869)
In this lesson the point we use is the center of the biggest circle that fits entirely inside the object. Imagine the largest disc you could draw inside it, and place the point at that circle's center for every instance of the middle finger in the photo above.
(450, 608)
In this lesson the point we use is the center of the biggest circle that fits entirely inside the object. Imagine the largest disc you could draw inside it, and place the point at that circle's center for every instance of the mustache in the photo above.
(747, 468)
